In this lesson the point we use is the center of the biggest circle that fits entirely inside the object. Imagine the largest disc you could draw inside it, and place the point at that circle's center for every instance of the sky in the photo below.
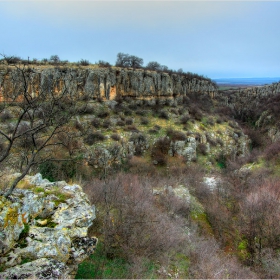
(217, 39)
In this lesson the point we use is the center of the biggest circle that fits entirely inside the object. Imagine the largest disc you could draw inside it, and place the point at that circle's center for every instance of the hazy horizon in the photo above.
(217, 39)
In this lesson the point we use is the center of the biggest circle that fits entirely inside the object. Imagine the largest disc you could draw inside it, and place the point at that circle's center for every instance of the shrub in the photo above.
(175, 135)
(102, 63)
(184, 119)
(84, 62)
(129, 121)
(120, 123)
(144, 121)
(272, 151)
(219, 120)
(78, 125)
(48, 170)
(127, 112)
(106, 124)
(195, 111)
(103, 114)
(211, 121)
(256, 137)
(5, 116)
(152, 131)
(139, 165)
(116, 137)
(132, 128)
(220, 142)
(86, 109)
(96, 122)
(202, 149)
(93, 137)
(132, 106)
(163, 114)
(132, 224)
(140, 112)
(13, 59)
(160, 150)
(233, 124)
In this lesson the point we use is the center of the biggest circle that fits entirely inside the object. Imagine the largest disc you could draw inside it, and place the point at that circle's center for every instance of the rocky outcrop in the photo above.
(243, 96)
(186, 148)
(248, 99)
(105, 83)
(43, 229)
(255, 105)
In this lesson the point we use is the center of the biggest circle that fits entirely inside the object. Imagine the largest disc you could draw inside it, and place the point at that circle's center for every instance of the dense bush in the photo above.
(163, 114)
(160, 151)
(256, 137)
(107, 123)
(175, 135)
(129, 121)
(127, 112)
(96, 122)
(84, 62)
(93, 137)
(131, 128)
(272, 151)
(210, 121)
(144, 121)
(120, 123)
(86, 109)
(102, 63)
(196, 112)
(103, 114)
(116, 137)
(140, 112)
(202, 149)
(184, 119)
(5, 116)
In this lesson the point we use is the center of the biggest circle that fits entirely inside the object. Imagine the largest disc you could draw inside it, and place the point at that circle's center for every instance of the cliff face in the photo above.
(106, 83)
(246, 97)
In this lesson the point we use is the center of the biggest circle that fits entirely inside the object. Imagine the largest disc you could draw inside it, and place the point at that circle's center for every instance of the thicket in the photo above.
(154, 235)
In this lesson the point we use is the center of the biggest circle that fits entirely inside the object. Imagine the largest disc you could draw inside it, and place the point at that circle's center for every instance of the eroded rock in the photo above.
(45, 223)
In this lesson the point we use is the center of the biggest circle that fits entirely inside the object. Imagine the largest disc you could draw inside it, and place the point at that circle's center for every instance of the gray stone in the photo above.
(56, 228)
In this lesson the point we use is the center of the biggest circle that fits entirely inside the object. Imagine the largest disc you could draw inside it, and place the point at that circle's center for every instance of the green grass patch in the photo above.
(98, 266)
(25, 260)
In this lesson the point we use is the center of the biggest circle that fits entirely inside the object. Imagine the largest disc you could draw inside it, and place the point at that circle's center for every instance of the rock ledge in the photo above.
(43, 230)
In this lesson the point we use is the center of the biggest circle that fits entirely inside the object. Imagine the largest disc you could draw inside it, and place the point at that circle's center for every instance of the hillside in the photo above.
(183, 176)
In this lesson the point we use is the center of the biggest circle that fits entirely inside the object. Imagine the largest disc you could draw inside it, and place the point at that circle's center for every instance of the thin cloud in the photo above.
(138, 13)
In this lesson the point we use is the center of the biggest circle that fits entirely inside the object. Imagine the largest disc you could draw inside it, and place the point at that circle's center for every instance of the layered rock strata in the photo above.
(105, 83)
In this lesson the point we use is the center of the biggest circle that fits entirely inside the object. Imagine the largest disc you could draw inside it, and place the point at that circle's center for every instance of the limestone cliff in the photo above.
(258, 106)
(98, 82)
(246, 97)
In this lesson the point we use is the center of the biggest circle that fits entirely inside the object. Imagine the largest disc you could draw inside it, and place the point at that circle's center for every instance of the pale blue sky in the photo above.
(217, 39)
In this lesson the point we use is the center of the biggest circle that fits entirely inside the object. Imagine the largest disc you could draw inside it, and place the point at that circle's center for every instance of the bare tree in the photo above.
(126, 60)
(153, 65)
(55, 59)
(38, 121)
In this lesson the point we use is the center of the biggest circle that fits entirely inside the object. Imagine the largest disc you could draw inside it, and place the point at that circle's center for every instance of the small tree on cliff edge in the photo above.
(126, 60)
(35, 124)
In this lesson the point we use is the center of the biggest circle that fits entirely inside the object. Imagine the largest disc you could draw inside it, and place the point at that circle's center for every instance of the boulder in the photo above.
(45, 224)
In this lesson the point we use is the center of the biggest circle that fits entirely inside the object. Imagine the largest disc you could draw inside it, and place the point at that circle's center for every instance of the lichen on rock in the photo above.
(47, 224)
